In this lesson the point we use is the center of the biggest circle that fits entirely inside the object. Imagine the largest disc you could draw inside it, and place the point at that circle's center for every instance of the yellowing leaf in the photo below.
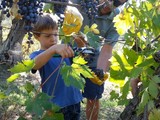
(79, 60)
(86, 29)
(94, 29)
(94, 26)
(13, 77)
(123, 22)
(149, 5)
(2, 95)
(24, 66)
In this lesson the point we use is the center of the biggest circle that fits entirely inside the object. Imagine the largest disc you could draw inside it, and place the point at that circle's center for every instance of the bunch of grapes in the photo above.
(99, 73)
(28, 10)
(5, 5)
(59, 10)
(90, 8)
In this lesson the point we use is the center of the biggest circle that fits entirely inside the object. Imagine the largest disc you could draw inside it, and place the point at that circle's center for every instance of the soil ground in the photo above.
(108, 111)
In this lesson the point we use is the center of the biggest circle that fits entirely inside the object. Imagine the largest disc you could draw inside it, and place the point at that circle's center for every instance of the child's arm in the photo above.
(62, 49)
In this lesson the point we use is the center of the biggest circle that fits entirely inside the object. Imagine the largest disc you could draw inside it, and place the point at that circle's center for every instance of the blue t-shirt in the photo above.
(62, 95)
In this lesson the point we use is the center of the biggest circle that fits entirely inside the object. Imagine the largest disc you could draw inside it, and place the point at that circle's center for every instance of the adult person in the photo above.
(93, 92)
(67, 97)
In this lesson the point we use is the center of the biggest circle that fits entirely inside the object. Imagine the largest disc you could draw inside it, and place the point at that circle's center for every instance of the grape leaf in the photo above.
(93, 39)
(29, 87)
(123, 22)
(13, 77)
(94, 29)
(24, 66)
(153, 89)
(79, 60)
(131, 56)
(39, 104)
(154, 114)
(2, 95)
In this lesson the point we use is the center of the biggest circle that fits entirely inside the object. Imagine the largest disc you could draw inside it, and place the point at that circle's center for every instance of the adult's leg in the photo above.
(92, 109)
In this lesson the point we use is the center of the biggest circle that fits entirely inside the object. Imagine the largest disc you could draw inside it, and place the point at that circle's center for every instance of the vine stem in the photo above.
(50, 75)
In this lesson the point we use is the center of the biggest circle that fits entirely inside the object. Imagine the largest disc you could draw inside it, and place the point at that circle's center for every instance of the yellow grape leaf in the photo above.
(123, 22)
(2, 95)
(94, 26)
(79, 60)
(149, 5)
(94, 29)
(13, 77)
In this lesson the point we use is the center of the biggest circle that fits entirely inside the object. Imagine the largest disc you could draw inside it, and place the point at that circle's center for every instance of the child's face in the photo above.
(48, 38)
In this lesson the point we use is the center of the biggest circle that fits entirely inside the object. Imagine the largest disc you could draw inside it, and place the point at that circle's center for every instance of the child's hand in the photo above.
(80, 40)
(64, 50)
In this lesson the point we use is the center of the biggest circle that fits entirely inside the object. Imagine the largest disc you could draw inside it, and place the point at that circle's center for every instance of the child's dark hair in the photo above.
(44, 22)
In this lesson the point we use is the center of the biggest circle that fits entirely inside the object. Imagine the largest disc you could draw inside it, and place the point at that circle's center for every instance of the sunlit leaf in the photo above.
(2, 95)
(24, 66)
(79, 60)
(123, 22)
(13, 77)
(71, 77)
(131, 56)
(86, 29)
(94, 29)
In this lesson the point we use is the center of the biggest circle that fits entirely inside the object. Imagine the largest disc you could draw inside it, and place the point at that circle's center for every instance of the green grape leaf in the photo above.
(154, 114)
(151, 105)
(86, 29)
(93, 39)
(71, 77)
(156, 19)
(131, 56)
(153, 89)
(13, 77)
(39, 104)
(134, 73)
(125, 90)
(144, 100)
(29, 87)
(2, 95)
(24, 66)
(114, 95)
(156, 79)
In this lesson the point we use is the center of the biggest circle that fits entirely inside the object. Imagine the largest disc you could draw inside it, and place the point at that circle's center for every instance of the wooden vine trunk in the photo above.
(10, 49)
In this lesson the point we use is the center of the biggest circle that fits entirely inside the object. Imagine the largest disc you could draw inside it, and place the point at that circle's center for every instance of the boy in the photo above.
(68, 98)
